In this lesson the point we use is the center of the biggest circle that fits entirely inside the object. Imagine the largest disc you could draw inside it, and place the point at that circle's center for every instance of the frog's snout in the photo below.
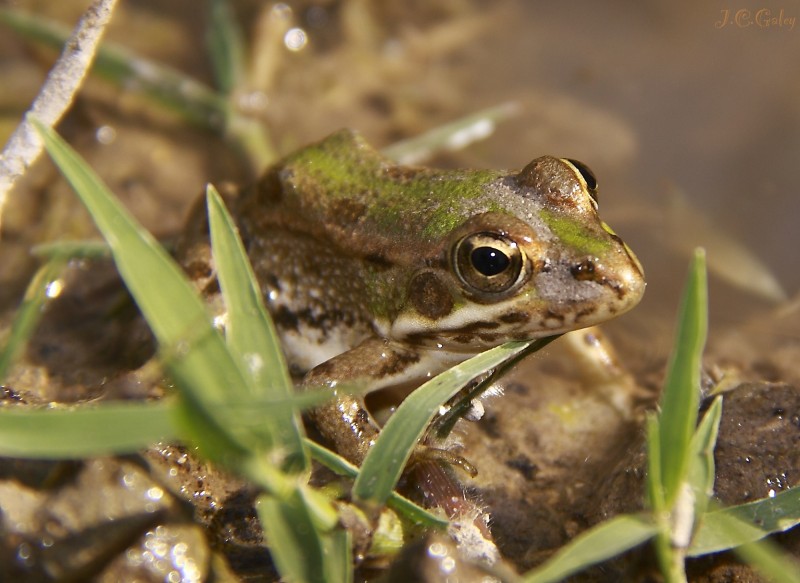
(624, 283)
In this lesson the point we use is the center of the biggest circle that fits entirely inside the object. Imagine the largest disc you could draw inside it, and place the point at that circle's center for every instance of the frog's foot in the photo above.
(374, 364)
(597, 362)
(442, 490)
(426, 453)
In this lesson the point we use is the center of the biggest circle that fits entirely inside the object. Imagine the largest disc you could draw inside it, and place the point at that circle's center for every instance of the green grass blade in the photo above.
(293, 540)
(681, 397)
(250, 331)
(77, 432)
(29, 313)
(771, 561)
(452, 136)
(251, 334)
(602, 542)
(198, 359)
(254, 411)
(445, 423)
(387, 458)
(701, 464)
(736, 525)
(87, 249)
(403, 506)
(338, 546)
(655, 491)
(225, 46)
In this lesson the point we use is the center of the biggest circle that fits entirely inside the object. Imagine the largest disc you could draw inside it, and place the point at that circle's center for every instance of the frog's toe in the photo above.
(425, 453)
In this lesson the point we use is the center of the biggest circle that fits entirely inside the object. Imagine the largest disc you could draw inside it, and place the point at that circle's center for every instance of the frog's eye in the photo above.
(489, 262)
(588, 177)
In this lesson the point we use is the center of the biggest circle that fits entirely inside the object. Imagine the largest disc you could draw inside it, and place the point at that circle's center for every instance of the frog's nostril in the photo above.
(584, 271)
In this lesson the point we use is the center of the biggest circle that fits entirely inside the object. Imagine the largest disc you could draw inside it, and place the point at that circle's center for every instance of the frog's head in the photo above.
(531, 259)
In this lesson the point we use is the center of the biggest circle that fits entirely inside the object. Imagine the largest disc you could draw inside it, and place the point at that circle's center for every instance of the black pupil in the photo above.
(489, 261)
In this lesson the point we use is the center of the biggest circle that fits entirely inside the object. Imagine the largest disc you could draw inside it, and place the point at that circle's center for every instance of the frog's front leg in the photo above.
(374, 364)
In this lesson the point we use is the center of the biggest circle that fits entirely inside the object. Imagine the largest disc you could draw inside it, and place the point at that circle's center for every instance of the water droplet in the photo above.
(24, 552)
(155, 493)
(128, 480)
(437, 550)
(221, 321)
(295, 39)
(448, 565)
(281, 11)
(254, 363)
(54, 288)
(105, 134)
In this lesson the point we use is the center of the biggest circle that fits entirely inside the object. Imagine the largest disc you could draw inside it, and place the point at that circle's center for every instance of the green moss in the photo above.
(398, 200)
(575, 234)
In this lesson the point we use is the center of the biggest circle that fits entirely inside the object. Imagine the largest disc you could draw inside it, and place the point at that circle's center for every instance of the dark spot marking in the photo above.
(211, 288)
(514, 318)
(475, 327)
(587, 311)
(378, 261)
(430, 296)
(398, 362)
(488, 337)
(286, 319)
(551, 315)
(199, 270)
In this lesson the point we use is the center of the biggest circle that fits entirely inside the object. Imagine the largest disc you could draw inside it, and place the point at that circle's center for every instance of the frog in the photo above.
(381, 276)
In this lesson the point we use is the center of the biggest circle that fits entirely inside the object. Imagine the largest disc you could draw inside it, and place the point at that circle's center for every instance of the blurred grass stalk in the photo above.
(57, 92)
(193, 101)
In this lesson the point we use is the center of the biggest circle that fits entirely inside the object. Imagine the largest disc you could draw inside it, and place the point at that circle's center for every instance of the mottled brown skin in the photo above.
(381, 276)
